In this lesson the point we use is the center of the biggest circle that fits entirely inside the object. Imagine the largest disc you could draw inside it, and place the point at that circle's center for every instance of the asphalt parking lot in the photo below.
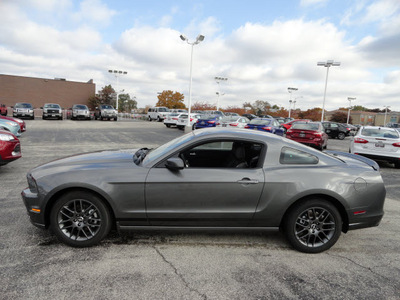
(364, 264)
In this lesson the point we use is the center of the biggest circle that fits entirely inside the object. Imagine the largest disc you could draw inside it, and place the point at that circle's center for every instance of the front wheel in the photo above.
(313, 226)
(80, 219)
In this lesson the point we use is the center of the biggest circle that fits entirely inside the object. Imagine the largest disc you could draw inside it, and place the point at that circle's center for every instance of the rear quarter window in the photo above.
(290, 156)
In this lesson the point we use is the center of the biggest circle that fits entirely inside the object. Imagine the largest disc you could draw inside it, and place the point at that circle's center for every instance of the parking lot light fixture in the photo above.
(117, 73)
(327, 64)
(199, 39)
(218, 79)
(348, 114)
(386, 109)
(291, 90)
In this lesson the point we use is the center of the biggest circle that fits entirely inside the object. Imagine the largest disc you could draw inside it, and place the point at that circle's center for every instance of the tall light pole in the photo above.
(218, 79)
(348, 114)
(199, 39)
(117, 73)
(291, 90)
(386, 108)
(294, 102)
(326, 64)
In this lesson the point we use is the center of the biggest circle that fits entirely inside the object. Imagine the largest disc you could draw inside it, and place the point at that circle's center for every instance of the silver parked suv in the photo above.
(23, 110)
(105, 111)
(80, 111)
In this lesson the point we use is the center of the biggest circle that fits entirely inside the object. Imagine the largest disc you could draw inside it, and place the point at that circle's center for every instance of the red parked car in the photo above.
(20, 122)
(289, 124)
(3, 109)
(10, 148)
(311, 134)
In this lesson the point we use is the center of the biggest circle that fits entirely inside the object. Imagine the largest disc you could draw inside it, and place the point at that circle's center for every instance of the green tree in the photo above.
(171, 99)
(125, 103)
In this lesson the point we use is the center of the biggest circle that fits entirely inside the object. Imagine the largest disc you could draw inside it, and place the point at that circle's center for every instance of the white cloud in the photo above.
(94, 11)
(312, 2)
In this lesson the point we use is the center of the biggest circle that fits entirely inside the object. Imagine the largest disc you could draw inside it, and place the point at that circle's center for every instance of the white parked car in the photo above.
(233, 122)
(172, 119)
(183, 120)
(377, 143)
(157, 113)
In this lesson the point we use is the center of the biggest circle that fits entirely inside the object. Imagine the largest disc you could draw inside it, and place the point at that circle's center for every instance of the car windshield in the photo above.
(23, 105)
(305, 126)
(80, 107)
(107, 107)
(51, 106)
(380, 132)
(260, 122)
(163, 149)
(163, 109)
(210, 117)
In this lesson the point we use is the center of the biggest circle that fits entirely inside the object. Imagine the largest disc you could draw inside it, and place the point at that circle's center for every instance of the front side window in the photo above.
(290, 156)
(223, 154)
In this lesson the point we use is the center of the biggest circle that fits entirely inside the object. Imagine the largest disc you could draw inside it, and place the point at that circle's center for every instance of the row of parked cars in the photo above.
(55, 111)
(10, 147)
(374, 142)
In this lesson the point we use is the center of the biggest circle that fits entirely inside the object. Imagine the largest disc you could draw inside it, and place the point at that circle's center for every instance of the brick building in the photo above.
(39, 91)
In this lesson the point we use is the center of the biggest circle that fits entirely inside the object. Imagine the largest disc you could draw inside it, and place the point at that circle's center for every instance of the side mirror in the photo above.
(175, 163)
(41, 107)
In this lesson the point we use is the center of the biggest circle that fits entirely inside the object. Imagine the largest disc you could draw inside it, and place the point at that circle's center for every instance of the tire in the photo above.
(43, 117)
(397, 164)
(149, 119)
(341, 135)
(168, 125)
(115, 119)
(76, 227)
(158, 119)
(309, 234)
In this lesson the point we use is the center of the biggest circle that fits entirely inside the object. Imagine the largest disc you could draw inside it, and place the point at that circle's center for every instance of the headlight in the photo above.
(45, 111)
(6, 137)
(32, 183)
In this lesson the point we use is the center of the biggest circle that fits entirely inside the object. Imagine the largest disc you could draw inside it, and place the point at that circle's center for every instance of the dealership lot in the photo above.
(147, 265)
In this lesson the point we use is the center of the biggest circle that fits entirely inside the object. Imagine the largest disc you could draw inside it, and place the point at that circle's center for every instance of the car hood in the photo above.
(87, 160)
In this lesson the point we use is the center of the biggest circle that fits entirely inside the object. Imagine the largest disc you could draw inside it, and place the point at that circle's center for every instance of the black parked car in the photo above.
(249, 116)
(336, 130)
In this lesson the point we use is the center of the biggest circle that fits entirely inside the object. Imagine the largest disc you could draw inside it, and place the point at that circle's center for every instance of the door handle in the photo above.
(247, 181)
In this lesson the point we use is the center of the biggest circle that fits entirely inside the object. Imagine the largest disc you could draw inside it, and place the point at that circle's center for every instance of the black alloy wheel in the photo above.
(313, 226)
(80, 219)
(341, 135)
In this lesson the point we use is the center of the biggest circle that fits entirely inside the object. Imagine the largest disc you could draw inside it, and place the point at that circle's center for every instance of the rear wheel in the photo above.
(80, 219)
(341, 135)
(313, 226)
(397, 164)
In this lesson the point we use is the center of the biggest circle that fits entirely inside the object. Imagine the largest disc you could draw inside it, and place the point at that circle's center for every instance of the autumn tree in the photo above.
(340, 117)
(198, 105)
(235, 109)
(105, 96)
(313, 114)
(259, 107)
(171, 99)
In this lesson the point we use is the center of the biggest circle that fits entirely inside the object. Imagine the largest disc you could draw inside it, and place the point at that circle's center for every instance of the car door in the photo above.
(203, 196)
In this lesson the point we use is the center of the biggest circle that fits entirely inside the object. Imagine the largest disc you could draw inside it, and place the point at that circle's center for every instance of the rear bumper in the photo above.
(365, 222)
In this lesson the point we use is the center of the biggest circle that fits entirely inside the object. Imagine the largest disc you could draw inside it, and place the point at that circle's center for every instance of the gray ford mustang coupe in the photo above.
(209, 179)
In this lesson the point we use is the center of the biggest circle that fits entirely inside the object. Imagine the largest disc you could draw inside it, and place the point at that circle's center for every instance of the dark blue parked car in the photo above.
(207, 121)
(266, 124)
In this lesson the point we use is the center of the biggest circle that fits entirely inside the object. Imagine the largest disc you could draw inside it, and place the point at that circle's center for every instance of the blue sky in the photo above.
(262, 47)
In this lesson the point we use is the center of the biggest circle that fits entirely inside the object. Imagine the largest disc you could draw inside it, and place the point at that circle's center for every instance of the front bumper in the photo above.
(35, 211)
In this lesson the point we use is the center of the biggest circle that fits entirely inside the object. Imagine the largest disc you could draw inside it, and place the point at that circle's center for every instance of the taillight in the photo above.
(318, 134)
(396, 144)
(234, 124)
(267, 128)
(247, 126)
(211, 122)
(358, 140)
(176, 119)
(191, 119)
